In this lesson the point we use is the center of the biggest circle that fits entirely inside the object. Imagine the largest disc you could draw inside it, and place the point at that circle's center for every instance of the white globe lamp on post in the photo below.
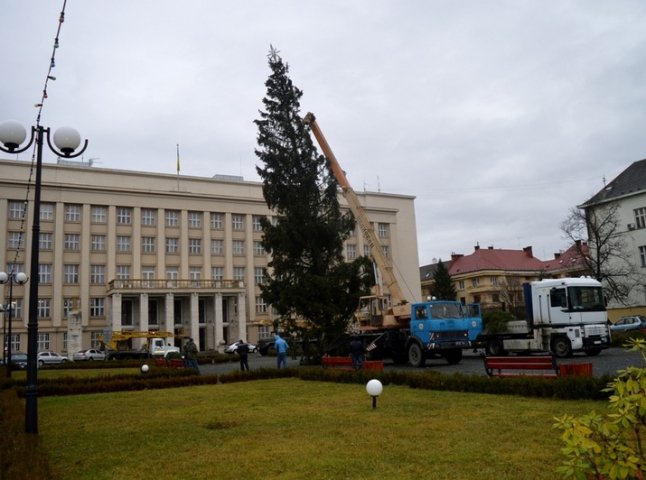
(374, 389)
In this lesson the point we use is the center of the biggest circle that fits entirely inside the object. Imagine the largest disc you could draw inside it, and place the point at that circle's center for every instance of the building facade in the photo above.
(626, 193)
(126, 250)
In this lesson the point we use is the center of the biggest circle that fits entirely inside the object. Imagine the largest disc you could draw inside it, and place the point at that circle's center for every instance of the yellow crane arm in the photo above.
(383, 264)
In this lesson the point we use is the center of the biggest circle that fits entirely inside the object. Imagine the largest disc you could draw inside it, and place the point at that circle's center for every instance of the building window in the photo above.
(148, 244)
(386, 250)
(72, 242)
(73, 213)
(194, 246)
(45, 273)
(68, 306)
(71, 273)
(44, 308)
(195, 273)
(16, 311)
(172, 273)
(461, 285)
(217, 247)
(494, 280)
(172, 218)
(351, 251)
(640, 217)
(148, 273)
(237, 246)
(96, 338)
(43, 341)
(98, 214)
(14, 241)
(258, 249)
(238, 273)
(194, 219)
(259, 275)
(217, 273)
(172, 245)
(265, 331)
(237, 222)
(124, 215)
(495, 298)
(47, 212)
(383, 230)
(97, 274)
(123, 243)
(46, 241)
(366, 251)
(16, 210)
(256, 223)
(123, 272)
(261, 306)
(96, 307)
(98, 243)
(475, 282)
(642, 255)
(216, 221)
(148, 216)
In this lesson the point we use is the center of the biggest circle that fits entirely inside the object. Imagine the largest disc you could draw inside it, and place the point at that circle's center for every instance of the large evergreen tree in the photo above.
(307, 283)
(443, 288)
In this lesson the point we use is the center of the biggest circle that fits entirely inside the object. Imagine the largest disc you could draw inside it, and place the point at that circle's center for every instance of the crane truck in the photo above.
(392, 326)
(117, 348)
(564, 315)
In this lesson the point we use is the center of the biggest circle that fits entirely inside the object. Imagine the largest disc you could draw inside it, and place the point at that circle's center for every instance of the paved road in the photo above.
(608, 361)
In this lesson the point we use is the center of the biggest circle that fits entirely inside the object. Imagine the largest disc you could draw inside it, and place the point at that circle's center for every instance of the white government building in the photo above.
(127, 250)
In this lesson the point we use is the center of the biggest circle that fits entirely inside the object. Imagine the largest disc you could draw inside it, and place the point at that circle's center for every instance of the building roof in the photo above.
(629, 182)
(571, 259)
(495, 259)
(427, 272)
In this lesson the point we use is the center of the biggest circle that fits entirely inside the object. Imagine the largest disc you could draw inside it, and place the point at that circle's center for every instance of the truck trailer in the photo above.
(563, 316)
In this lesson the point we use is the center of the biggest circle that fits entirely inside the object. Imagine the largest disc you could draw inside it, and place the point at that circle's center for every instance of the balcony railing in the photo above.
(179, 284)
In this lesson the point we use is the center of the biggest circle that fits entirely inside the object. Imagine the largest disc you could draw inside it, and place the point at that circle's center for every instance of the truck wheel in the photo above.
(453, 356)
(495, 348)
(562, 347)
(415, 355)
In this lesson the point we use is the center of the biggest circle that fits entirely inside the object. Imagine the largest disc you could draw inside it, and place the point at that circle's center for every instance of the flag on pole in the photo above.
(178, 159)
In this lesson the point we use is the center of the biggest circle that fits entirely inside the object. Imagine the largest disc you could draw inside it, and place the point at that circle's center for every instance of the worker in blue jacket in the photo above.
(281, 351)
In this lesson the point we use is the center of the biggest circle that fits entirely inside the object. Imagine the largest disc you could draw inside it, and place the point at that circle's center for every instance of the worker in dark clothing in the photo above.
(243, 351)
(356, 352)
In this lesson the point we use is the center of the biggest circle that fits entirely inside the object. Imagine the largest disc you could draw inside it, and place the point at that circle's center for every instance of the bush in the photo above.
(495, 321)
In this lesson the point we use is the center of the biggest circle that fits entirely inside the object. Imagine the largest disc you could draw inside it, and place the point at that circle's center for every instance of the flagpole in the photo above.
(178, 167)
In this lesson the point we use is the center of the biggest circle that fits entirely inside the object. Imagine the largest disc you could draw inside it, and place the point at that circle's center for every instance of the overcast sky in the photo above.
(498, 116)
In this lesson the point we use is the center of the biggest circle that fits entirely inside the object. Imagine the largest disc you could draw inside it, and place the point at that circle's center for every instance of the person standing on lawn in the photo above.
(190, 354)
(356, 352)
(281, 351)
(243, 351)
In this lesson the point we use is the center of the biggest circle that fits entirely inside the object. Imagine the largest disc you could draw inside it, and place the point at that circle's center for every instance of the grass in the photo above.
(295, 429)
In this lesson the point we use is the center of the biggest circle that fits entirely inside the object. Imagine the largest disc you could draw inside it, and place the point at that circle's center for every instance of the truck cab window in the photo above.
(558, 298)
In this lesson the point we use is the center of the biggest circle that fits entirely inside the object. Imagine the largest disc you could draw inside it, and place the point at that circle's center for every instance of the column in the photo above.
(219, 328)
(115, 317)
(169, 318)
(194, 325)
(143, 312)
(242, 316)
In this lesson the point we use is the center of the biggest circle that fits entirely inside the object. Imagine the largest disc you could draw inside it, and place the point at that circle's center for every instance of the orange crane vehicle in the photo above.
(396, 328)
(378, 310)
(117, 348)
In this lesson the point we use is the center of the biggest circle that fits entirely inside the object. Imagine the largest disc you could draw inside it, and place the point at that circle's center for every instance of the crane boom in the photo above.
(383, 264)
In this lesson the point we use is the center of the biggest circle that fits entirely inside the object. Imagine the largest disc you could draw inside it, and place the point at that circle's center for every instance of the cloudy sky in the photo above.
(498, 116)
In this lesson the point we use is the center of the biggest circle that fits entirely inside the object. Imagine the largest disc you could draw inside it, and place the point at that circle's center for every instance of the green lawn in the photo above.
(295, 429)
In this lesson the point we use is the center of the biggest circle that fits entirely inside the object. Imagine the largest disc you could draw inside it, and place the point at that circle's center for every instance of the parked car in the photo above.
(632, 322)
(50, 358)
(233, 348)
(18, 360)
(89, 354)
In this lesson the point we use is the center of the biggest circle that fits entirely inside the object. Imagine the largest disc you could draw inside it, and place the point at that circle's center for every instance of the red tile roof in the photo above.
(496, 259)
(569, 259)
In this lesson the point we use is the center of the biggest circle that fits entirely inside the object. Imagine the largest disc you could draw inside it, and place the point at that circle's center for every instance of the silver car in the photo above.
(50, 358)
(89, 354)
(632, 322)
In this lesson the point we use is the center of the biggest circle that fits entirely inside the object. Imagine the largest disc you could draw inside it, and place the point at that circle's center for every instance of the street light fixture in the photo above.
(12, 277)
(66, 140)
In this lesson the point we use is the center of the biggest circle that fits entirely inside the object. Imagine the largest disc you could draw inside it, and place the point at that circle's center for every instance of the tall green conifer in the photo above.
(307, 281)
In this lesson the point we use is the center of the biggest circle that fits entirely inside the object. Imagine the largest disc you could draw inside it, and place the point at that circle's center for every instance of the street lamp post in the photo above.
(66, 140)
(12, 277)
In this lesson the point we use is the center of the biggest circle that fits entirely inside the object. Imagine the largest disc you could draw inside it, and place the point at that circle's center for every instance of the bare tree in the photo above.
(608, 256)
(511, 293)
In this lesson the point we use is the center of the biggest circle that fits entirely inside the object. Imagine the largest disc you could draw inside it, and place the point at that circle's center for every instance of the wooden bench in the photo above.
(514, 366)
(345, 363)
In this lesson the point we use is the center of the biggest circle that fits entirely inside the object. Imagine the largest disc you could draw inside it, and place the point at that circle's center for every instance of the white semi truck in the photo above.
(564, 315)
